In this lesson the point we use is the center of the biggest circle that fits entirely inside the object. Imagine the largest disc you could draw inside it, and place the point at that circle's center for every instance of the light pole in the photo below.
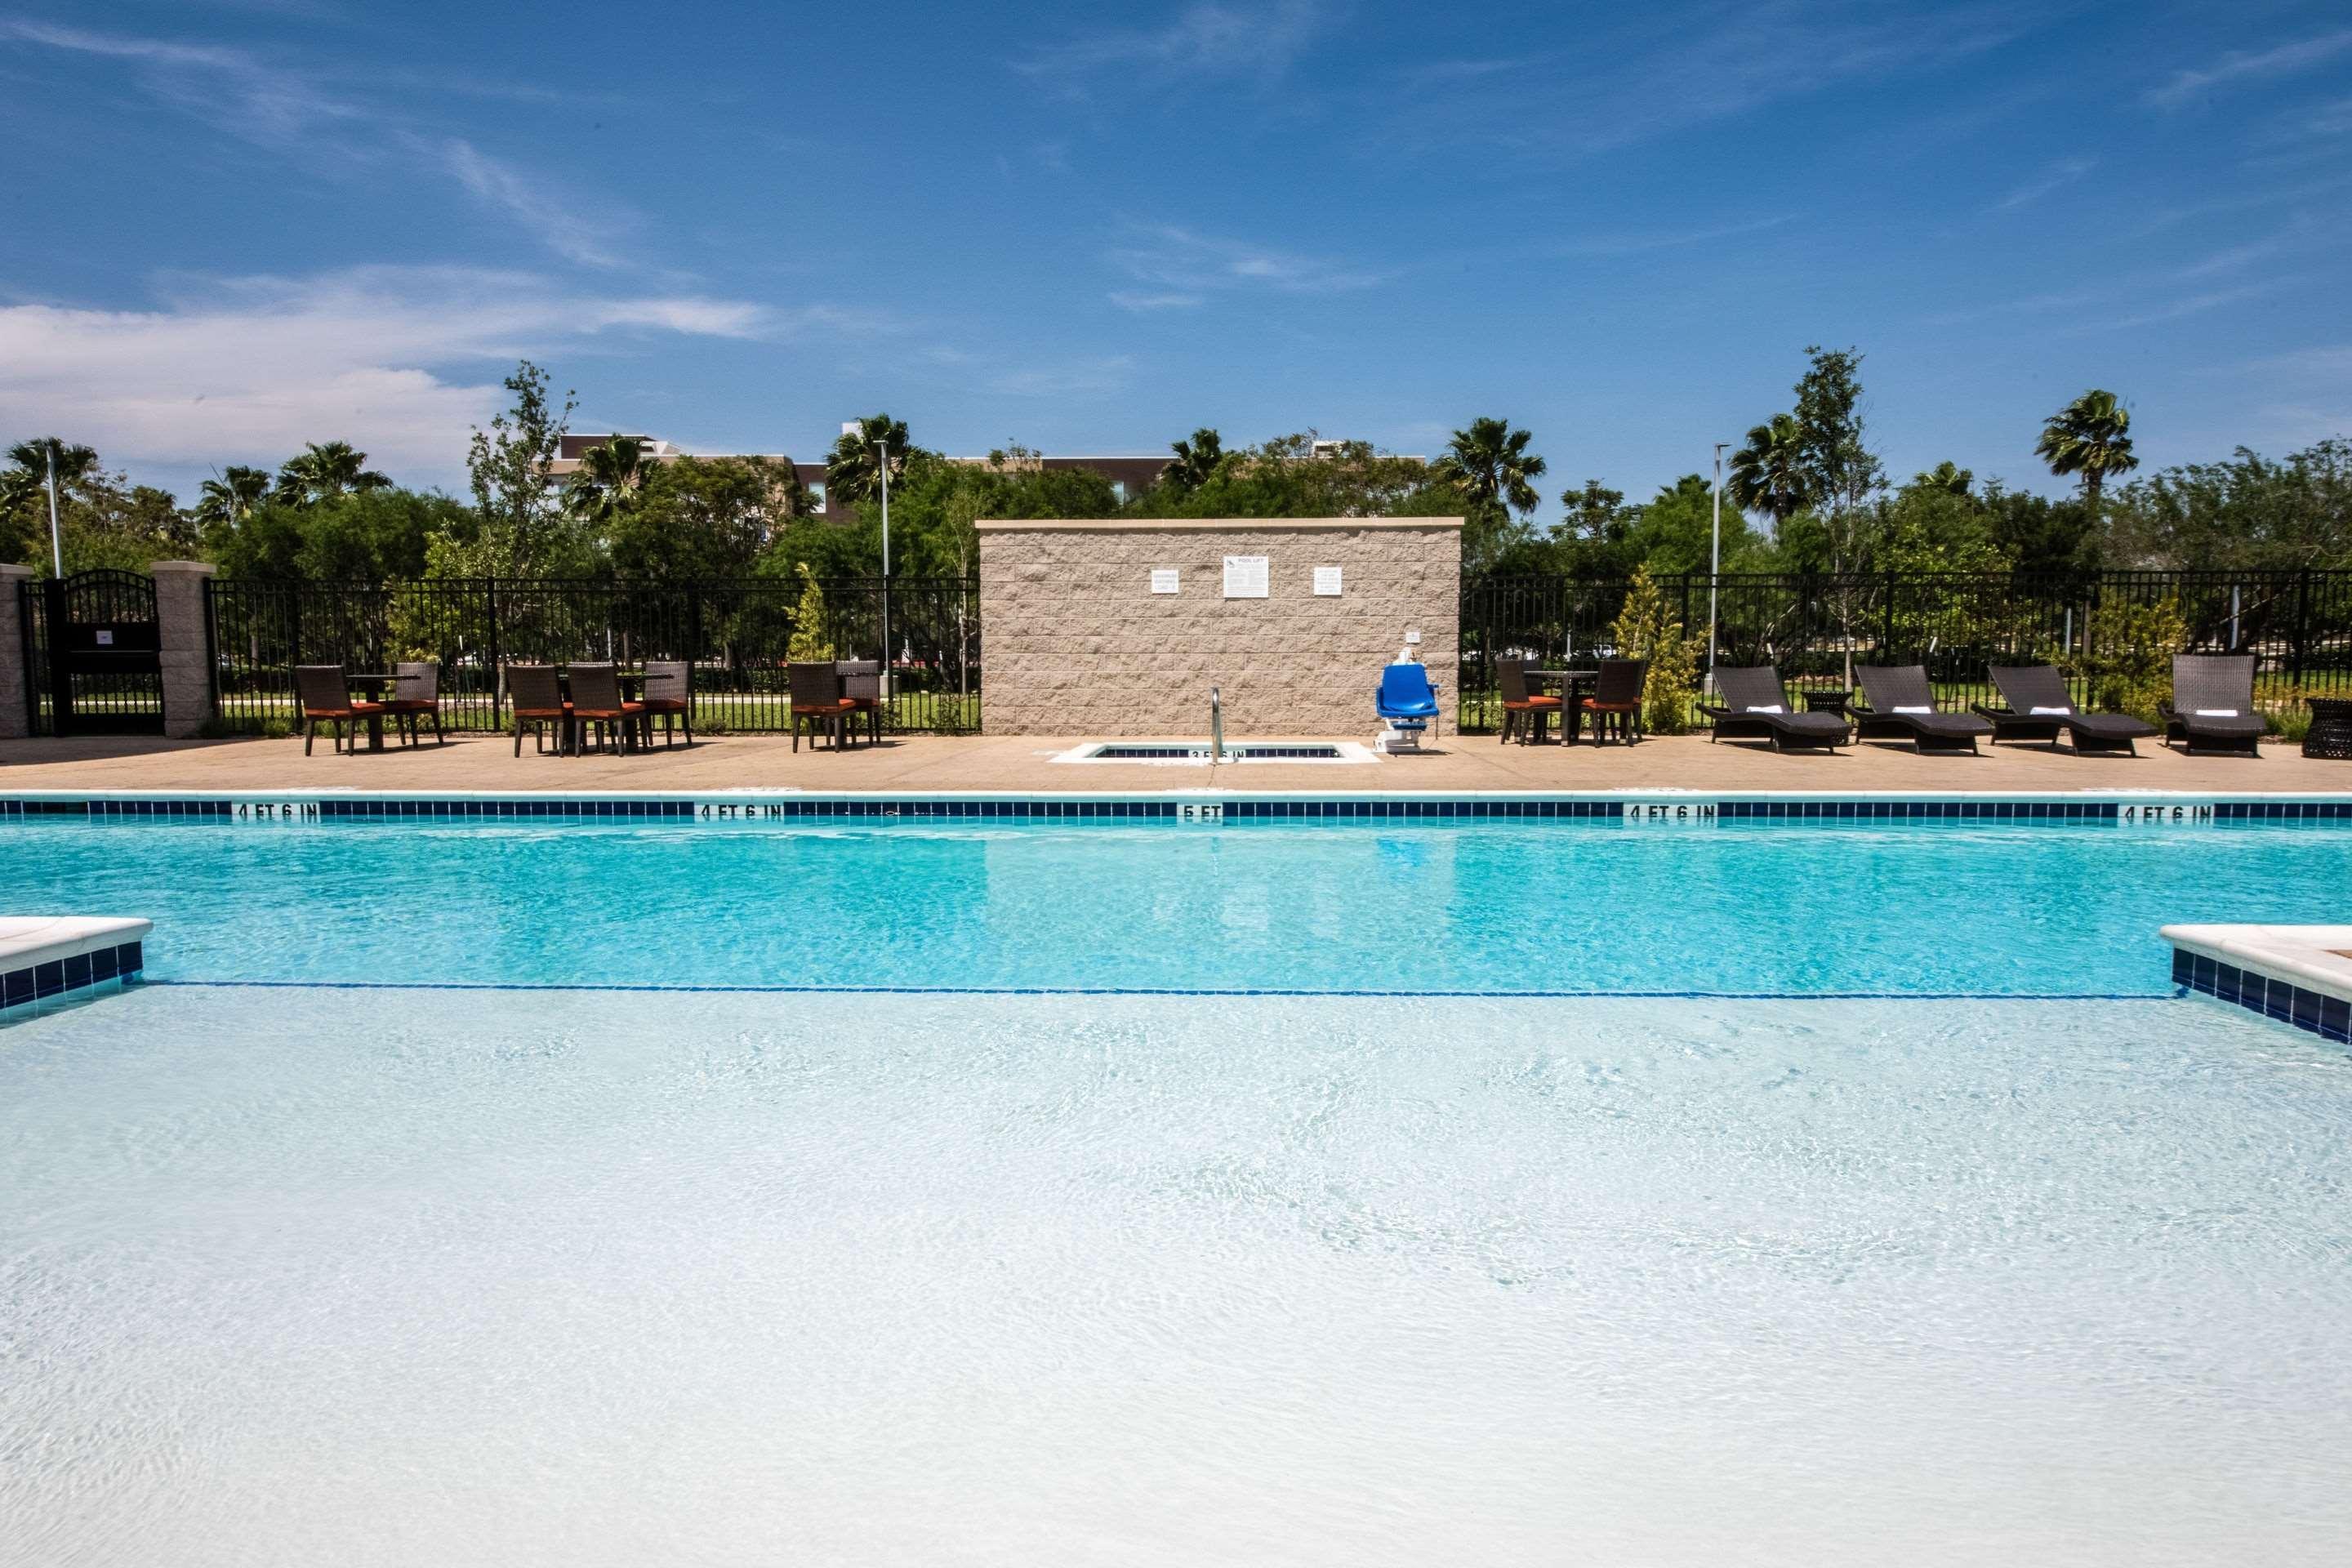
(57, 540)
(1714, 563)
(882, 458)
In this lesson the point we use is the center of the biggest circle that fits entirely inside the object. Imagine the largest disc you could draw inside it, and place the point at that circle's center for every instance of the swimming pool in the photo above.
(1890, 1255)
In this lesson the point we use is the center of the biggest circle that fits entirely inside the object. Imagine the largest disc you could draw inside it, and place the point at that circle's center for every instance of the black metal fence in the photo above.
(2297, 625)
(739, 634)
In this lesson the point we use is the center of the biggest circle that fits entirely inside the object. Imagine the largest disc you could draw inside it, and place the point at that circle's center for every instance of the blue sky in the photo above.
(234, 227)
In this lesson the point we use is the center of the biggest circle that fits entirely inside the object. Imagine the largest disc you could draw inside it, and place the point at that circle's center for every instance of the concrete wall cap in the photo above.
(193, 568)
(1197, 525)
(10, 569)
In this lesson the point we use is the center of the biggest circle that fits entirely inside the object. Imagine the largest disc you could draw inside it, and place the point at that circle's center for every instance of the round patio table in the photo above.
(373, 686)
(1573, 685)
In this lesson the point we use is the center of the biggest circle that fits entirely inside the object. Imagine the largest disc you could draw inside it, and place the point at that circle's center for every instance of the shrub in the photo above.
(1645, 629)
(810, 645)
(2127, 657)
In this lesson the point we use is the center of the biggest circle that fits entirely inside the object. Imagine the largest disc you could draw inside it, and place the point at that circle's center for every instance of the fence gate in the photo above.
(97, 638)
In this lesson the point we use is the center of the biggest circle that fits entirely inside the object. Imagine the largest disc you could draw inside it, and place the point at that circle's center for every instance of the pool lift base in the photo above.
(1402, 735)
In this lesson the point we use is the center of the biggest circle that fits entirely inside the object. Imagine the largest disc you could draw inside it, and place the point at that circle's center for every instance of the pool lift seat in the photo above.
(1408, 700)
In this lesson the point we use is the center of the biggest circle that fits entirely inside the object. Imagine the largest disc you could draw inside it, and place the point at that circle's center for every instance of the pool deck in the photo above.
(1024, 763)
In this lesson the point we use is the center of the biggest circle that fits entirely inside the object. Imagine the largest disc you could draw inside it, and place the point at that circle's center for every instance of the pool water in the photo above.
(589, 1278)
(1901, 910)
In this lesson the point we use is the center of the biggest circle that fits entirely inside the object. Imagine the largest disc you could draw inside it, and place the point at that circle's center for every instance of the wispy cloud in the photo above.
(396, 360)
(1082, 379)
(1632, 244)
(2192, 305)
(2236, 66)
(283, 111)
(1181, 269)
(2065, 172)
(2137, 286)
(1208, 41)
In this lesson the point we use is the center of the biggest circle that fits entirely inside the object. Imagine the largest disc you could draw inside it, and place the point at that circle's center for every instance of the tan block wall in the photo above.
(14, 713)
(1076, 643)
(182, 627)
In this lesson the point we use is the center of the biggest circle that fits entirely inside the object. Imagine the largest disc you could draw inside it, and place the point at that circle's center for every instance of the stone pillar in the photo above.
(184, 628)
(16, 721)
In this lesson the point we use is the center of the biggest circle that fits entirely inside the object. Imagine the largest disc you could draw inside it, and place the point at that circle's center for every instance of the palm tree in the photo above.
(1196, 459)
(852, 469)
(1948, 477)
(1490, 463)
(1768, 475)
(229, 500)
(320, 472)
(2090, 436)
(609, 473)
(28, 468)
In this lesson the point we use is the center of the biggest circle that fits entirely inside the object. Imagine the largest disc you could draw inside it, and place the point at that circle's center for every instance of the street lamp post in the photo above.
(882, 460)
(57, 540)
(1714, 563)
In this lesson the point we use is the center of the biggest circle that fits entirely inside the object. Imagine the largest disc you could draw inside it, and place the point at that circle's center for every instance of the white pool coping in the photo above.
(2312, 957)
(2148, 797)
(28, 940)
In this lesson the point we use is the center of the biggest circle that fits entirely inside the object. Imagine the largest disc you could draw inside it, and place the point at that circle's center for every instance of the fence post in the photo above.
(16, 651)
(1886, 622)
(184, 633)
(2302, 623)
(498, 670)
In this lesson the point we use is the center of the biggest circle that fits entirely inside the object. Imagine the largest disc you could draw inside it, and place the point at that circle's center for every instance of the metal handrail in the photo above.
(1217, 726)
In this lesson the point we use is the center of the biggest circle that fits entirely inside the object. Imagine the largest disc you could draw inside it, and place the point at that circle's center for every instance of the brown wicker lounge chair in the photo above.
(416, 694)
(2039, 708)
(669, 697)
(596, 701)
(1617, 699)
(818, 704)
(326, 699)
(1903, 708)
(1755, 707)
(1521, 707)
(535, 697)
(2213, 706)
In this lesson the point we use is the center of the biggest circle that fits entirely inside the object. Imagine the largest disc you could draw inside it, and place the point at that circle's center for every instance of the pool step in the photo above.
(48, 959)
(2297, 974)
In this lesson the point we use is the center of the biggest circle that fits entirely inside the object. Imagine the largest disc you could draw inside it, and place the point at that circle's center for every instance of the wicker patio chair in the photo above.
(2037, 708)
(1903, 708)
(416, 694)
(2213, 706)
(535, 697)
(326, 699)
(596, 701)
(669, 697)
(818, 704)
(1521, 707)
(1617, 699)
(1755, 707)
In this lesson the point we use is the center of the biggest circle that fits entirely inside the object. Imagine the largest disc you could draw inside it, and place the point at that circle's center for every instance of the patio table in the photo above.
(373, 686)
(1573, 685)
(632, 683)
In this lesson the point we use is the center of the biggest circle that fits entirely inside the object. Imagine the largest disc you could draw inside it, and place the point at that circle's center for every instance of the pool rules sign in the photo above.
(1247, 576)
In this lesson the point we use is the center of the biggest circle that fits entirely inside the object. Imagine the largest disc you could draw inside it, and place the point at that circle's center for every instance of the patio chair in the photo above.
(326, 699)
(669, 697)
(596, 700)
(1617, 698)
(1521, 707)
(818, 704)
(1407, 699)
(1754, 707)
(535, 697)
(861, 687)
(2213, 706)
(2037, 708)
(1903, 708)
(416, 694)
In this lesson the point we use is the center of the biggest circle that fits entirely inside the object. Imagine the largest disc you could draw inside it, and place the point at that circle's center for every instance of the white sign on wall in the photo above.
(1245, 576)
(1164, 579)
(1326, 581)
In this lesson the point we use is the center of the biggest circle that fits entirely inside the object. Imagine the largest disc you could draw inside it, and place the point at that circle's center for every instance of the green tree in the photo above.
(229, 498)
(811, 643)
(1288, 476)
(321, 472)
(1674, 532)
(1768, 474)
(1646, 629)
(852, 469)
(692, 518)
(1592, 538)
(1948, 477)
(519, 528)
(2090, 436)
(2248, 513)
(610, 472)
(1489, 463)
(1197, 457)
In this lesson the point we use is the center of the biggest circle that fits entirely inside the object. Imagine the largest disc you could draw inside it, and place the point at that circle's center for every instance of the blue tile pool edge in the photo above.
(2267, 996)
(74, 978)
(752, 988)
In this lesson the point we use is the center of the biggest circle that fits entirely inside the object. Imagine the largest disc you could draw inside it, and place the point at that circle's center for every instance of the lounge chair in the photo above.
(1408, 700)
(818, 704)
(2038, 709)
(1522, 707)
(1617, 698)
(535, 699)
(1903, 708)
(1754, 707)
(326, 699)
(596, 700)
(669, 697)
(2213, 706)
(416, 694)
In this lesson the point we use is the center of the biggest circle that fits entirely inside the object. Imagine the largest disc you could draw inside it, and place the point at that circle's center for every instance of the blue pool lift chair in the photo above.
(1408, 700)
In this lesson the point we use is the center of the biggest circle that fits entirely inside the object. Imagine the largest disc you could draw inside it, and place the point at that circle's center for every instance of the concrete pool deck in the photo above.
(924, 763)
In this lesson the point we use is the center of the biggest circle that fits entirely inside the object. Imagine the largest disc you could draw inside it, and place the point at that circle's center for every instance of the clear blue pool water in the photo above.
(1811, 910)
